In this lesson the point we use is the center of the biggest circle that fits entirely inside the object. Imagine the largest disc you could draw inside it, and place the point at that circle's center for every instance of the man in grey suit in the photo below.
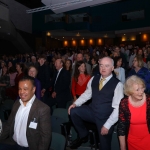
(79, 58)
(28, 126)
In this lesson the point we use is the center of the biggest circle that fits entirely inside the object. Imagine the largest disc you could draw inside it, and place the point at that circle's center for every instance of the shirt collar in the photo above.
(108, 78)
(30, 102)
(60, 69)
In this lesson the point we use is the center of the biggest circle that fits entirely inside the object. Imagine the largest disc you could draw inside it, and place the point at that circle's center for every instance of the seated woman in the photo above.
(4, 82)
(79, 80)
(119, 71)
(13, 91)
(32, 71)
(134, 116)
(141, 72)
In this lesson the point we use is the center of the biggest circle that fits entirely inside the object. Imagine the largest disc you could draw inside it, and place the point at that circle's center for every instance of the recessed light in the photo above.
(139, 32)
(63, 37)
(124, 34)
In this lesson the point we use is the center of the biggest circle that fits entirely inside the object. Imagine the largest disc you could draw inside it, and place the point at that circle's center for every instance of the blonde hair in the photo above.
(140, 61)
(128, 86)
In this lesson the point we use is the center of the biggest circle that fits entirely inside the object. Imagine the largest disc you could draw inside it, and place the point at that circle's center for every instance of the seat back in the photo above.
(56, 124)
(58, 142)
(61, 113)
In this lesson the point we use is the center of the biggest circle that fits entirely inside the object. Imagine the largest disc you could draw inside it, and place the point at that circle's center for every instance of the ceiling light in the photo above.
(124, 34)
(63, 37)
(139, 32)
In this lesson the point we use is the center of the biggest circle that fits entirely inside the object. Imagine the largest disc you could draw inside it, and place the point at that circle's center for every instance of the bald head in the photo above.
(106, 66)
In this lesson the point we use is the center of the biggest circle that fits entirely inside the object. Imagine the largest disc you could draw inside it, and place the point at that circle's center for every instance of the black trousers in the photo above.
(12, 147)
(85, 113)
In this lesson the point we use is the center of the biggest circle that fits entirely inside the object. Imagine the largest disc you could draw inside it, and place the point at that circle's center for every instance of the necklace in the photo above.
(138, 103)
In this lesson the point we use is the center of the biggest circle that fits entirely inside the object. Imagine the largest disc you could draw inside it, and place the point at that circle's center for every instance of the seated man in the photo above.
(106, 92)
(28, 126)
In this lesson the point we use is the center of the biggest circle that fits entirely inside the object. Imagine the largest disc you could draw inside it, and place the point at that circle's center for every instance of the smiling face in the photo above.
(32, 72)
(137, 92)
(26, 91)
(106, 67)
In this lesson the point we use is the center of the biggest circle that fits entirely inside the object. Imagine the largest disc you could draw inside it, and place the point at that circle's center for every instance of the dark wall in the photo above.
(6, 47)
(29, 38)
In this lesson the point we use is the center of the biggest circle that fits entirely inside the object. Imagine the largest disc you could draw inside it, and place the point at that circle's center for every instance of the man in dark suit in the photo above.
(44, 77)
(60, 86)
(28, 126)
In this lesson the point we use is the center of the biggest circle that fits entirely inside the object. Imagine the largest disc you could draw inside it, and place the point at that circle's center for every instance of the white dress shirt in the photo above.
(120, 74)
(58, 74)
(21, 120)
(118, 95)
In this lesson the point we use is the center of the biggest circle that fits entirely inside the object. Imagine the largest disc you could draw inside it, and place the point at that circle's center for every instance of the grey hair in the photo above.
(108, 58)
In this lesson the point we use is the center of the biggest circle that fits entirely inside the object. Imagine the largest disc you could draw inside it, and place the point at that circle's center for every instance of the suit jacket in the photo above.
(62, 86)
(39, 138)
(44, 76)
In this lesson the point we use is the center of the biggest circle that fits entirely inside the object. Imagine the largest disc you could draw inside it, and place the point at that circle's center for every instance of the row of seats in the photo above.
(62, 125)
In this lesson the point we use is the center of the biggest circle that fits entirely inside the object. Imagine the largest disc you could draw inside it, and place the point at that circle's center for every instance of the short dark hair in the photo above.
(42, 56)
(29, 78)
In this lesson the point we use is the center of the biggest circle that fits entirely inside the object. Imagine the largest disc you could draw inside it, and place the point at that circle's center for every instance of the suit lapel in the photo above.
(32, 111)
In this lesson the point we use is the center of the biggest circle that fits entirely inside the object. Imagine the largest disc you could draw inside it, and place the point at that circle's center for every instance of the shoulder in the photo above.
(144, 69)
(40, 105)
(87, 65)
(122, 69)
(124, 101)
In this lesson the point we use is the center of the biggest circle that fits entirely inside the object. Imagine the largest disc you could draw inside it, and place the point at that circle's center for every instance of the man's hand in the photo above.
(72, 106)
(104, 131)
(42, 92)
(54, 95)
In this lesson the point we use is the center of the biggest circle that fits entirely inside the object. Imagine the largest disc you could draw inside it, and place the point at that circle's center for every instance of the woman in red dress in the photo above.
(79, 80)
(134, 116)
(12, 92)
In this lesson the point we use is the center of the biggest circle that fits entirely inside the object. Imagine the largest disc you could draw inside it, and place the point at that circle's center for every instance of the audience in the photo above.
(141, 71)
(12, 92)
(4, 83)
(55, 69)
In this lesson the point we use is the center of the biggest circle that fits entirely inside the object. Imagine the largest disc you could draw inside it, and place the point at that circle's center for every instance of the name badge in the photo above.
(33, 125)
